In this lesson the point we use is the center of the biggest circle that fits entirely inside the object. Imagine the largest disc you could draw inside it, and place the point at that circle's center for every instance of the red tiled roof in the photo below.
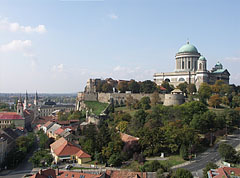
(125, 174)
(128, 138)
(82, 154)
(230, 170)
(48, 123)
(58, 143)
(45, 174)
(10, 116)
(69, 174)
(59, 131)
(67, 149)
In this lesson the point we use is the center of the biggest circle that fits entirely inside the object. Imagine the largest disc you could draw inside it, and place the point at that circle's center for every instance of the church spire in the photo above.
(26, 101)
(36, 99)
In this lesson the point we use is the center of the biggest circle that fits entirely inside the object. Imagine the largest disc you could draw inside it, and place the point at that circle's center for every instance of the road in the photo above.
(211, 155)
(23, 168)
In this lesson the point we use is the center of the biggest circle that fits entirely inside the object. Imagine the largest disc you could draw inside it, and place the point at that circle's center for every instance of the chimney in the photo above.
(57, 171)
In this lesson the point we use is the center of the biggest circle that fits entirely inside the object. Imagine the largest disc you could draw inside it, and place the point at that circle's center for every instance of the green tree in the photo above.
(129, 102)
(208, 166)
(122, 86)
(227, 152)
(191, 88)
(168, 87)
(184, 152)
(182, 173)
(204, 92)
(134, 86)
(148, 86)
(115, 160)
(183, 87)
(145, 103)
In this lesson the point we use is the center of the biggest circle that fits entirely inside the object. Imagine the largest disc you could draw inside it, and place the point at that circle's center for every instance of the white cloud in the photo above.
(16, 45)
(15, 27)
(113, 16)
(57, 68)
(232, 59)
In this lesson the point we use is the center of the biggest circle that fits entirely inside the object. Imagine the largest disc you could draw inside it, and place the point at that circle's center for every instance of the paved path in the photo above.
(211, 155)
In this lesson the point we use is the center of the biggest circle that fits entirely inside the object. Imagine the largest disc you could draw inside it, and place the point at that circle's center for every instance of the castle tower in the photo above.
(20, 106)
(26, 101)
(202, 73)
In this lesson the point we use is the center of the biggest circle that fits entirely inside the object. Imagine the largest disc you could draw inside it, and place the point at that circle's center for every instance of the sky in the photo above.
(54, 46)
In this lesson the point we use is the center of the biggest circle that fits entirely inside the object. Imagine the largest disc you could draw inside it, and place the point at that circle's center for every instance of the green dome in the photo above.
(202, 58)
(188, 48)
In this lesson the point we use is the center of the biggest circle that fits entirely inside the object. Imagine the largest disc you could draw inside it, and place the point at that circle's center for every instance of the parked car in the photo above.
(68, 166)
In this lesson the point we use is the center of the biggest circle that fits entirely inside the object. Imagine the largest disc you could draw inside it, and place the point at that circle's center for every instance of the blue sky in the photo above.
(56, 45)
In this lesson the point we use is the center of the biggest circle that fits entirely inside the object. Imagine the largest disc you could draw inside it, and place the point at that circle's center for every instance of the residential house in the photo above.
(47, 125)
(224, 172)
(51, 173)
(62, 150)
(52, 129)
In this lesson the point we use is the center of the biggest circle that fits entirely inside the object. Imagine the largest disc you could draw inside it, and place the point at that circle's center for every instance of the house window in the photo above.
(182, 64)
(189, 66)
(181, 79)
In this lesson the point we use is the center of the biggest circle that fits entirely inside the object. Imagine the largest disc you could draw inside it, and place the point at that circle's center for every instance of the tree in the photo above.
(204, 92)
(182, 173)
(168, 87)
(148, 86)
(129, 102)
(191, 88)
(184, 152)
(107, 88)
(236, 101)
(214, 101)
(122, 126)
(209, 166)
(134, 86)
(183, 87)
(115, 160)
(155, 98)
(227, 152)
(122, 86)
(145, 102)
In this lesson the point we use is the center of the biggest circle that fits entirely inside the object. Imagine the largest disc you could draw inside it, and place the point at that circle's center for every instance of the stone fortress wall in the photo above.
(120, 98)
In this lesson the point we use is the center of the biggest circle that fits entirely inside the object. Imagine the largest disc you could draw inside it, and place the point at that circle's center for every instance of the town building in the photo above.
(191, 67)
(62, 150)
(224, 172)
(50, 107)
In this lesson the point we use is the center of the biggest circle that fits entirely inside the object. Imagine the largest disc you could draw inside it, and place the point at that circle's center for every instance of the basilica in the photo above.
(191, 67)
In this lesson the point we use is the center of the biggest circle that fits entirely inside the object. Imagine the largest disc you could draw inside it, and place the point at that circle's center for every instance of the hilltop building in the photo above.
(191, 67)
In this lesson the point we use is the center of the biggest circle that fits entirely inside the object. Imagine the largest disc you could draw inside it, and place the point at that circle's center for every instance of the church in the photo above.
(191, 67)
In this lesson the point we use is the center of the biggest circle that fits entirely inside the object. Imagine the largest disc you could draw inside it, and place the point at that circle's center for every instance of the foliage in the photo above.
(183, 87)
(228, 153)
(122, 86)
(182, 173)
(155, 98)
(107, 88)
(204, 92)
(115, 160)
(148, 86)
(209, 165)
(134, 86)
(184, 152)
(145, 103)
(41, 158)
(129, 102)
(214, 101)
(168, 87)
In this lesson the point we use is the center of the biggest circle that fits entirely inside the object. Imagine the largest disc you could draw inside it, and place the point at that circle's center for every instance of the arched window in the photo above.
(167, 80)
(181, 79)
(200, 66)
(189, 66)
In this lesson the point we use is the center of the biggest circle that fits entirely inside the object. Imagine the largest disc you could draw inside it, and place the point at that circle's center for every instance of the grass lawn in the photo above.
(127, 110)
(96, 106)
(172, 161)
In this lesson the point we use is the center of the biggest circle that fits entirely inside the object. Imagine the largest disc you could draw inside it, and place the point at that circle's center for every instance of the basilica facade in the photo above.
(191, 67)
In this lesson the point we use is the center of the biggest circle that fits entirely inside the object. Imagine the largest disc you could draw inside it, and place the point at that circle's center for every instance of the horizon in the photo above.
(55, 46)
